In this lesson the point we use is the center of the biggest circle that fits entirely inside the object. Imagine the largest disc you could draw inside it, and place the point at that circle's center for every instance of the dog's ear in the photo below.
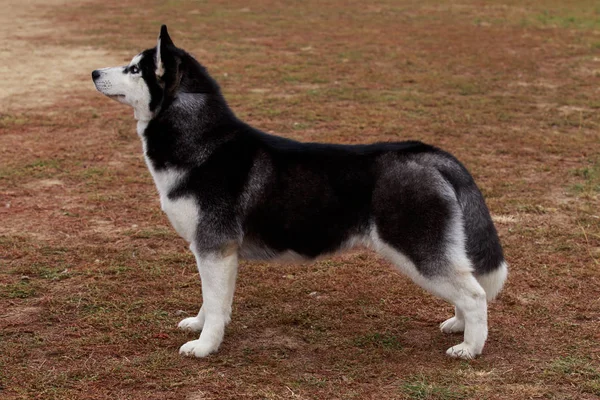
(164, 35)
(163, 49)
(167, 63)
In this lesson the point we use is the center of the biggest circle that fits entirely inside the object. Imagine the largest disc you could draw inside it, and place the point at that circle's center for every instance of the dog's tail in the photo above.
(482, 242)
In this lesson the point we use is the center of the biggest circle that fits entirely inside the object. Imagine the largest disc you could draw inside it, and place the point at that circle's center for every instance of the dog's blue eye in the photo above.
(134, 70)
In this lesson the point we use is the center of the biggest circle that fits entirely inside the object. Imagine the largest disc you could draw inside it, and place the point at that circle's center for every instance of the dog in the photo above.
(232, 191)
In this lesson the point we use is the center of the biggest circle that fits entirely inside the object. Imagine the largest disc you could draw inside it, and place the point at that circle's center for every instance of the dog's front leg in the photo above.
(193, 324)
(218, 270)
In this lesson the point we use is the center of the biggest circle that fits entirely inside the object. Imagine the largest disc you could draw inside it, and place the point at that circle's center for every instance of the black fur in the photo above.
(267, 194)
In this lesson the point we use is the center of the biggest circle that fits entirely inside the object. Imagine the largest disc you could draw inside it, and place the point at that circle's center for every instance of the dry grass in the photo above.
(93, 280)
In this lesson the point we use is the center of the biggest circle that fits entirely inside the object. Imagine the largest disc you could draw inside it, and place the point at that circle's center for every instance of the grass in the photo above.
(93, 280)
(383, 340)
(590, 175)
(580, 372)
(418, 388)
(20, 290)
(556, 18)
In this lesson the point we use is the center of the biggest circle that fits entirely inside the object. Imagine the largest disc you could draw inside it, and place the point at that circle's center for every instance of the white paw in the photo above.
(191, 324)
(453, 325)
(197, 348)
(463, 351)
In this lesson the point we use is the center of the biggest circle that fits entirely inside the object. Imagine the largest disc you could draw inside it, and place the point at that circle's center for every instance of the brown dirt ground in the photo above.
(93, 280)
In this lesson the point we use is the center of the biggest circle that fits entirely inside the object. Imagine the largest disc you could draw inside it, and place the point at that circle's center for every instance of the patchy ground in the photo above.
(93, 280)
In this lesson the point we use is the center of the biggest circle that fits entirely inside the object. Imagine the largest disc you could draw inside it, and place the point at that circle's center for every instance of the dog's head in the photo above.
(155, 78)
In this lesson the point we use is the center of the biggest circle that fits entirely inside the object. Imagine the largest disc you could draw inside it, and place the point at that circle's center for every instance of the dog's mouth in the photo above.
(117, 97)
(104, 86)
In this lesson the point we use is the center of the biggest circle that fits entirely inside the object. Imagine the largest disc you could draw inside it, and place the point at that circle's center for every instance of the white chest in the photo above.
(183, 212)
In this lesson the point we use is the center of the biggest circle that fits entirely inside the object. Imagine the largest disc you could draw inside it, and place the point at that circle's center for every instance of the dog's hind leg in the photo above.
(456, 284)
(462, 289)
(218, 272)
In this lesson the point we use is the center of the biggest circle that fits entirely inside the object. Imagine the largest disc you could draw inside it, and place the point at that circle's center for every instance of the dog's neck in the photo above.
(141, 127)
(143, 116)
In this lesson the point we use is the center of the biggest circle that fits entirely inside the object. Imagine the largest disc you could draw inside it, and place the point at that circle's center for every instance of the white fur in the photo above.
(454, 324)
(193, 324)
(136, 59)
(160, 68)
(218, 273)
(493, 282)
(183, 212)
(140, 128)
(127, 88)
(455, 235)
(458, 286)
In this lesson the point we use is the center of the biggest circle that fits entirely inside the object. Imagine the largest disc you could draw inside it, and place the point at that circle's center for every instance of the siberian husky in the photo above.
(232, 191)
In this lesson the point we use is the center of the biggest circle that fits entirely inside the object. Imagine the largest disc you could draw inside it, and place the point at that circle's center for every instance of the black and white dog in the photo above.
(233, 191)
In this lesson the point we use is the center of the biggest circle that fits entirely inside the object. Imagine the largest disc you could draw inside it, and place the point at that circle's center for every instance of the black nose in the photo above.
(95, 74)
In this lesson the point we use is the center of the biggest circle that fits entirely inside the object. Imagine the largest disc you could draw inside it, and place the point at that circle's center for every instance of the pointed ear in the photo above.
(162, 47)
(164, 36)
(168, 63)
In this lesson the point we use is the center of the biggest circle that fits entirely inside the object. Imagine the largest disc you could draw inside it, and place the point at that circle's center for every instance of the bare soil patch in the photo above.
(36, 69)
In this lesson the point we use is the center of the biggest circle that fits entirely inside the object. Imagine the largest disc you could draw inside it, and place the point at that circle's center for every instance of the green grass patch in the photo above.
(576, 371)
(379, 340)
(13, 120)
(38, 169)
(419, 388)
(556, 18)
(590, 179)
(20, 290)
(310, 380)
(465, 87)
